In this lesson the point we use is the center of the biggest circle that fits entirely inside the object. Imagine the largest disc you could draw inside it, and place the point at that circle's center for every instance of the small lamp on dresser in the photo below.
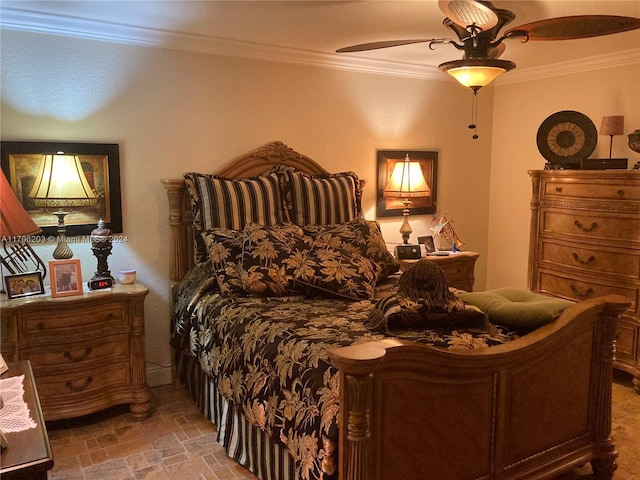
(612, 125)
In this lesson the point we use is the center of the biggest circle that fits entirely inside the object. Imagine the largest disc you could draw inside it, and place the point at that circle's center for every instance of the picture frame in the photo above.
(392, 207)
(429, 245)
(101, 165)
(65, 277)
(23, 284)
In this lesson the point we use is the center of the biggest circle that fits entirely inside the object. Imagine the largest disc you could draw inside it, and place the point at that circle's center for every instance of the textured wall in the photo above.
(174, 111)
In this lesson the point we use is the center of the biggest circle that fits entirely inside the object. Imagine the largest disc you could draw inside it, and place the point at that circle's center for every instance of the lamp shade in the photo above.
(476, 73)
(14, 220)
(60, 182)
(407, 181)
(612, 125)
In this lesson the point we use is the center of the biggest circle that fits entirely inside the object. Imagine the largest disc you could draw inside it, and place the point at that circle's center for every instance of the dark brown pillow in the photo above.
(358, 235)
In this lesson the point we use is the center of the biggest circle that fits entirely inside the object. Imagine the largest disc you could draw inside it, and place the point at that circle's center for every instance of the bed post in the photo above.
(180, 245)
(356, 403)
(605, 465)
(358, 425)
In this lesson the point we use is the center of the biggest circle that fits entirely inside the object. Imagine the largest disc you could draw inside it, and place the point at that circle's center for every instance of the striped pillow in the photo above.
(219, 202)
(323, 199)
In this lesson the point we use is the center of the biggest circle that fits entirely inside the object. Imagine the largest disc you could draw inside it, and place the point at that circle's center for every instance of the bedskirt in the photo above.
(246, 444)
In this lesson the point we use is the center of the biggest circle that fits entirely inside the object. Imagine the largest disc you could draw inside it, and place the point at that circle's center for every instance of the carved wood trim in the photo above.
(358, 426)
(591, 205)
(588, 326)
(533, 233)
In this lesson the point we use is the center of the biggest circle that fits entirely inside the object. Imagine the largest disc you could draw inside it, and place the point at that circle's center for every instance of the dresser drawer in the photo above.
(87, 351)
(591, 259)
(458, 276)
(73, 321)
(594, 227)
(578, 288)
(59, 388)
(77, 355)
(593, 189)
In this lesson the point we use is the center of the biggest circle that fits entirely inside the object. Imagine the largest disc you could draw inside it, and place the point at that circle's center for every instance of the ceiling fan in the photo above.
(477, 24)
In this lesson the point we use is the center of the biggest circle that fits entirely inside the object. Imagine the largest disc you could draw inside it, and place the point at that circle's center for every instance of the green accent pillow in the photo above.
(516, 308)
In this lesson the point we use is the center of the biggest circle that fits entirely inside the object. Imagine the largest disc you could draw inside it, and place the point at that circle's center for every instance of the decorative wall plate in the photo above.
(566, 138)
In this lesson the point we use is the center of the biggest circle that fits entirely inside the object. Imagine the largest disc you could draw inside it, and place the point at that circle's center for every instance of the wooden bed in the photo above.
(535, 407)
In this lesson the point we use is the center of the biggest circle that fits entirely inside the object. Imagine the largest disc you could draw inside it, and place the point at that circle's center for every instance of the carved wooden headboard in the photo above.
(253, 163)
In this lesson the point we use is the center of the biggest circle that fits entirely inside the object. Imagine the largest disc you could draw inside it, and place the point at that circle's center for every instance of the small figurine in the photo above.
(101, 245)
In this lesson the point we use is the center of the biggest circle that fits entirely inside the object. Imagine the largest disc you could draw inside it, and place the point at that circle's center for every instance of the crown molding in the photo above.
(25, 20)
(610, 60)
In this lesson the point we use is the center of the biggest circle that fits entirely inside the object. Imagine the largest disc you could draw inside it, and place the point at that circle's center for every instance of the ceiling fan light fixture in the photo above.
(476, 73)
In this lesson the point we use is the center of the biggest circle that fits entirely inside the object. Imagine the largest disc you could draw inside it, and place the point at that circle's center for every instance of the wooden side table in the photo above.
(87, 351)
(28, 456)
(458, 267)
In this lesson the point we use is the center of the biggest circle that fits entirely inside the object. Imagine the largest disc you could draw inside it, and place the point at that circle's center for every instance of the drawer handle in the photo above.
(583, 228)
(86, 383)
(587, 292)
(86, 353)
(584, 262)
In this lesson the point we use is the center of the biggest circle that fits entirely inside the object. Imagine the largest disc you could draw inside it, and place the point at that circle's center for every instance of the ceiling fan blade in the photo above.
(578, 26)
(469, 12)
(384, 44)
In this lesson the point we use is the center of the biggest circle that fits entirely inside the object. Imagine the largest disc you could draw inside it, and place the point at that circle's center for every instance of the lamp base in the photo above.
(62, 251)
(405, 228)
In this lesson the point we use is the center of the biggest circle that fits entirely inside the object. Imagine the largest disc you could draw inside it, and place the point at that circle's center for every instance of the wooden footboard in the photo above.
(532, 408)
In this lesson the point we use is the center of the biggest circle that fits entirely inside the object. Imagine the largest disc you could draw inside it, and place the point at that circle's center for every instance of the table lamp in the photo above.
(406, 182)
(612, 125)
(60, 183)
(16, 225)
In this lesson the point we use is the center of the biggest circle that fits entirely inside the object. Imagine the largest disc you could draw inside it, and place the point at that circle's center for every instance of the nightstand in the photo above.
(87, 351)
(458, 267)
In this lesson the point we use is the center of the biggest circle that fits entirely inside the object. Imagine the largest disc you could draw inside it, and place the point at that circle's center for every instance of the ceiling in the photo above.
(309, 32)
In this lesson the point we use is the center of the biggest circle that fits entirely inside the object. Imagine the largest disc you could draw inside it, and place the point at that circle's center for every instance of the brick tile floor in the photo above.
(177, 443)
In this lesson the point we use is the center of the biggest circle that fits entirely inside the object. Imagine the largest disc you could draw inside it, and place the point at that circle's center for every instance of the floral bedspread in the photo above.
(269, 356)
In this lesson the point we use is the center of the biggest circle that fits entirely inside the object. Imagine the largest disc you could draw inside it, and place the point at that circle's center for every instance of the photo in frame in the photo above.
(101, 167)
(66, 277)
(429, 245)
(392, 207)
(23, 284)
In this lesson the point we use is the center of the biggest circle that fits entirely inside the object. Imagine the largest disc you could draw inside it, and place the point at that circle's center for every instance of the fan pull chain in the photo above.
(474, 115)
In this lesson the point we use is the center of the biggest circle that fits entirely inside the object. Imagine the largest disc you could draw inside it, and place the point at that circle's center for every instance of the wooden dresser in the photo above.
(585, 242)
(458, 267)
(86, 351)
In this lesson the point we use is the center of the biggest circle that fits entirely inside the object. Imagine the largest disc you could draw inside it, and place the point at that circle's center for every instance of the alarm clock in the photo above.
(407, 252)
(100, 283)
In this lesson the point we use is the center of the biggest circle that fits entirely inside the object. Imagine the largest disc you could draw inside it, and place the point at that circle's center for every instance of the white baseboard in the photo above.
(158, 375)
